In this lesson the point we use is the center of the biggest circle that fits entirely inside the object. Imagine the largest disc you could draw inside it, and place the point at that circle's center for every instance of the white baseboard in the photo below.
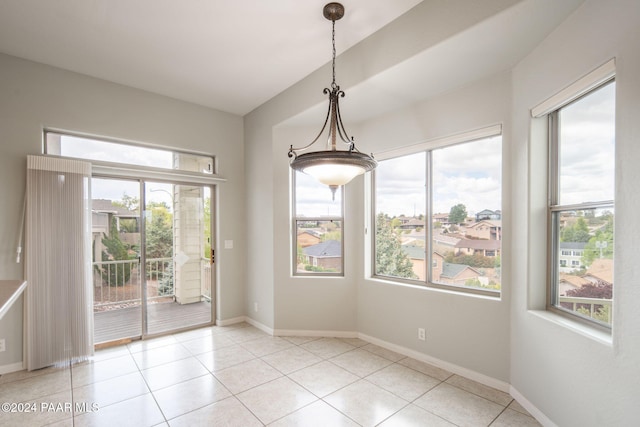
(530, 407)
(261, 326)
(232, 321)
(467, 373)
(14, 367)
(459, 370)
(310, 333)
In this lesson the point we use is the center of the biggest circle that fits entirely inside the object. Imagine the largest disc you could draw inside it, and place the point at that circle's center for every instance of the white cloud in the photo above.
(587, 148)
(467, 173)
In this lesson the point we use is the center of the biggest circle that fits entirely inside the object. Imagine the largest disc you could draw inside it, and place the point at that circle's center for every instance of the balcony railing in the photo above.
(117, 284)
(205, 266)
(596, 308)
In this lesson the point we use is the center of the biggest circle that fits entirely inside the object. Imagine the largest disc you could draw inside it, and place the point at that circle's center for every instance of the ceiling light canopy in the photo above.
(332, 167)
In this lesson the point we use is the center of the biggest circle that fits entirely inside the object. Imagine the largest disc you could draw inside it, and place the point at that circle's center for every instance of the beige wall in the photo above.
(353, 304)
(573, 375)
(474, 334)
(564, 376)
(34, 96)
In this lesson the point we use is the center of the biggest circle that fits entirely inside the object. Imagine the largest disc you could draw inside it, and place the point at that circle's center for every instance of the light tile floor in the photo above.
(239, 376)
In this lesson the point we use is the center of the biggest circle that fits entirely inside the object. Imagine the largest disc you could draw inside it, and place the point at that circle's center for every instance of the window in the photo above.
(317, 227)
(581, 213)
(441, 207)
(104, 151)
(400, 221)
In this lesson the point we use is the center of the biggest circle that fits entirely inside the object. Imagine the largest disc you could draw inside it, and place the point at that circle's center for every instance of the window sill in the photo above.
(436, 288)
(575, 326)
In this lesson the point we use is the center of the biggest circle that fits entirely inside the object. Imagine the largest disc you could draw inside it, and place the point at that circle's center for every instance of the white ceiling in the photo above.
(495, 45)
(232, 55)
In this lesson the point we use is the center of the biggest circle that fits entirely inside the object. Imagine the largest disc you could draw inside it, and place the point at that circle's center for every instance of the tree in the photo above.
(129, 202)
(159, 231)
(475, 260)
(599, 290)
(391, 260)
(165, 284)
(577, 232)
(115, 250)
(458, 214)
(331, 235)
(159, 244)
(396, 223)
(604, 235)
(475, 283)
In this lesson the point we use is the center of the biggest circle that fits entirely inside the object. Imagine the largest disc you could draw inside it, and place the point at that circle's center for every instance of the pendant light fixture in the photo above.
(332, 167)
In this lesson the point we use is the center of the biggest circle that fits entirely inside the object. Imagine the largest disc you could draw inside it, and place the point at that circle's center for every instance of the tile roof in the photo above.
(326, 249)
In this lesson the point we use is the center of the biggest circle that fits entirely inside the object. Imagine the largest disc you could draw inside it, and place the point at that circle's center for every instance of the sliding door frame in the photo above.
(177, 179)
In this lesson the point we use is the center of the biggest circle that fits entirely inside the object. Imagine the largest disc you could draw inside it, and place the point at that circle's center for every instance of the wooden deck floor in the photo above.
(162, 317)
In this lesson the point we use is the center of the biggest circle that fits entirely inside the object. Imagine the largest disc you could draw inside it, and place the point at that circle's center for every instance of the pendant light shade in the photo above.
(332, 167)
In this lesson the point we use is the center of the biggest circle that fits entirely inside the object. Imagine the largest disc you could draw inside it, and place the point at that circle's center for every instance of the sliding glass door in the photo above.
(152, 267)
(177, 231)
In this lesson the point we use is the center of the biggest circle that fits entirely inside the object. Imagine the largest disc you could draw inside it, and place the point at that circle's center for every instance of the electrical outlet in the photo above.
(3, 346)
(422, 336)
(255, 307)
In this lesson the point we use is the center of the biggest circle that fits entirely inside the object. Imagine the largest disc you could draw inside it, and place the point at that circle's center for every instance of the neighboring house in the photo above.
(412, 224)
(416, 254)
(485, 229)
(442, 218)
(308, 238)
(102, 213)
(488, 214)
(600, 271)
(444, 242)
(327, 254)
(102, 210)
(437, 262)
(570, 257)
(490, 248)
(569, 282)
(404, 219)
(457, 274)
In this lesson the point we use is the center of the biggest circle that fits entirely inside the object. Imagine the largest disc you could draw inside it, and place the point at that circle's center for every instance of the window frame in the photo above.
(428, 147)
(294, 233)
(107, 165)
(555, 210)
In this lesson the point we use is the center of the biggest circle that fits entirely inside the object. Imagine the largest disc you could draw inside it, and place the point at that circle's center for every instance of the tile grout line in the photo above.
(241, 342)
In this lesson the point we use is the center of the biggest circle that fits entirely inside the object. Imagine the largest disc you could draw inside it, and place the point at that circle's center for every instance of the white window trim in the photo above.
(118, 170)
(597, 78)
(576, 89)
(294, 236)
(128, 171)
(432, 144)
(428, 145)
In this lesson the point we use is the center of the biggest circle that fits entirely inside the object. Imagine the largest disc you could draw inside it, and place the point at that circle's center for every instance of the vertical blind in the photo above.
(58, 313)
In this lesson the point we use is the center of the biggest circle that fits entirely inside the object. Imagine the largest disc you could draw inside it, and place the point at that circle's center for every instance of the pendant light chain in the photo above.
(333, 64)
(332, 167)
